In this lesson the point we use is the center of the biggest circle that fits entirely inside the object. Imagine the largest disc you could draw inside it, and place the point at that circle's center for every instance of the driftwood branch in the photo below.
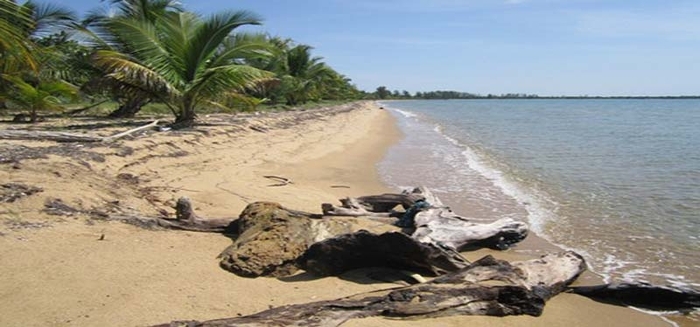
(186, 218)
(11, 134)
(281, 181)
(642, 295)
(486, 287)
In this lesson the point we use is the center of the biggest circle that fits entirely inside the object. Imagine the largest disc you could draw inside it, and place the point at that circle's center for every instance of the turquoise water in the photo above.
(616, 180)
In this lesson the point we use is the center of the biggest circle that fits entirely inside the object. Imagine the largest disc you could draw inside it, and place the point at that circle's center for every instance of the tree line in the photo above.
(382, 92)
(136, 52)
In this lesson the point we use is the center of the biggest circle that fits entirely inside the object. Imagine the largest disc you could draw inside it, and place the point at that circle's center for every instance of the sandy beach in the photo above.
(74, 271)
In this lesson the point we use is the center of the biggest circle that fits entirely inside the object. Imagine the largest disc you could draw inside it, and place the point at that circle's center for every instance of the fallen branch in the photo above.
(642, 295)
(186, 218)
(486, 287)
(15, 134)
(282, 180)
(10, 192)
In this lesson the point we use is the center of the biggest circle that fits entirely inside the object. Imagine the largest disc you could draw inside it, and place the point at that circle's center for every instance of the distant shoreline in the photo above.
(689, 97)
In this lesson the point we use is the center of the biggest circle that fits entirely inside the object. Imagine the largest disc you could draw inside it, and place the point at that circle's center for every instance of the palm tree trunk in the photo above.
(186, 117)
(129, 108)
(33, 116)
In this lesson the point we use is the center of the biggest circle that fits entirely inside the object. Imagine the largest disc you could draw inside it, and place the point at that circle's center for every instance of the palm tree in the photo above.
(46, 95)
(20, 26)
(305, 75)
(13, 46)
(180, 60)
(97, 26)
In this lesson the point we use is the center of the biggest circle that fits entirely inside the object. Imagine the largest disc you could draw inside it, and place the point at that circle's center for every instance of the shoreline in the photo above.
(57, 271)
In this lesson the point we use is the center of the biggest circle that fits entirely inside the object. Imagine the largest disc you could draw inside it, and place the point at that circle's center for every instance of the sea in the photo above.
(616, 180)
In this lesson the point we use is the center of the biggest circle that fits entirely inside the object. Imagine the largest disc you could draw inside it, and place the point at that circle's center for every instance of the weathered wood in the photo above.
(394, 250)
(439, 225)
(204, 225)
(10, 192)
(351, 208)
(129, 132)
(371, 205)
(642, 295)
(14, 134)
(434, 222)
(186, 219)
(282, 181)
(184, 210)
(486, 287)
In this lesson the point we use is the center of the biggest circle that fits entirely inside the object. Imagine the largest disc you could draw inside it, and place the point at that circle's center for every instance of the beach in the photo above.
(74, 271)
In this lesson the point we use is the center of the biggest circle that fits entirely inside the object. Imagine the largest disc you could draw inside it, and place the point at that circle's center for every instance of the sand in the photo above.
(55, 270)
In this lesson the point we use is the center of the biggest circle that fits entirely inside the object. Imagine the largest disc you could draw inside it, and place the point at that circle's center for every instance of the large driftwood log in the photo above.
(434, 222)
(11, 134)
(439, 225)
(642, 295)
(362, 249)
(486, 287)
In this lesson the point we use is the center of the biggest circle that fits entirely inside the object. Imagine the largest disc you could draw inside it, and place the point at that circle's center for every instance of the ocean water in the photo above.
(615, 180)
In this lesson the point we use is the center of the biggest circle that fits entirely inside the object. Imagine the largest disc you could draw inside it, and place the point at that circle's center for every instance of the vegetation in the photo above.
(156, 53)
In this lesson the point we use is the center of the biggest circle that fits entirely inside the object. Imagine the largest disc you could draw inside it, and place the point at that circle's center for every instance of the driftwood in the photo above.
(11, 134)
(275, 241)
(439, 225)
(394, 250)
(434, 222)
(186, 219)
(642, 295)
(371, 205)
(10, 192)
(281, 181)
(486, 287)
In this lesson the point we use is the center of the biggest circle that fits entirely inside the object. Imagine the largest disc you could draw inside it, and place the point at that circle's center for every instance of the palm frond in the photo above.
(243, 48)
(226, 79)
(209, 35)
(144, 43)
(49, 18)
(125, 70)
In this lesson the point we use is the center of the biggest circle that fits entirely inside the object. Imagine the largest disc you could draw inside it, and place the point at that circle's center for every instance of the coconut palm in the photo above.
(179, 59)
(97, 29)
(13, 46)
(46, 95)
(20, 26)
(305, 75)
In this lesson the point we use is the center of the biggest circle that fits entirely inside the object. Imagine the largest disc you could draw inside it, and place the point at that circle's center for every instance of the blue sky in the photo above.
(545, 47)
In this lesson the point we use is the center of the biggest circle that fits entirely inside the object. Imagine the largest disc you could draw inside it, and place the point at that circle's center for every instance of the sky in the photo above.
(544, 47)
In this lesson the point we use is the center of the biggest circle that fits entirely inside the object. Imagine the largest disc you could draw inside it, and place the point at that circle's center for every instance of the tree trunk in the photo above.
(129, 108)
(486, 287)
(186, 117)
(33, 116)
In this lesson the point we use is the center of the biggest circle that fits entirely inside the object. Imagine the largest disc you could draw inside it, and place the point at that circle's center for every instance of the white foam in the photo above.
(538, 214)
(405, 113)
(660, 314)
